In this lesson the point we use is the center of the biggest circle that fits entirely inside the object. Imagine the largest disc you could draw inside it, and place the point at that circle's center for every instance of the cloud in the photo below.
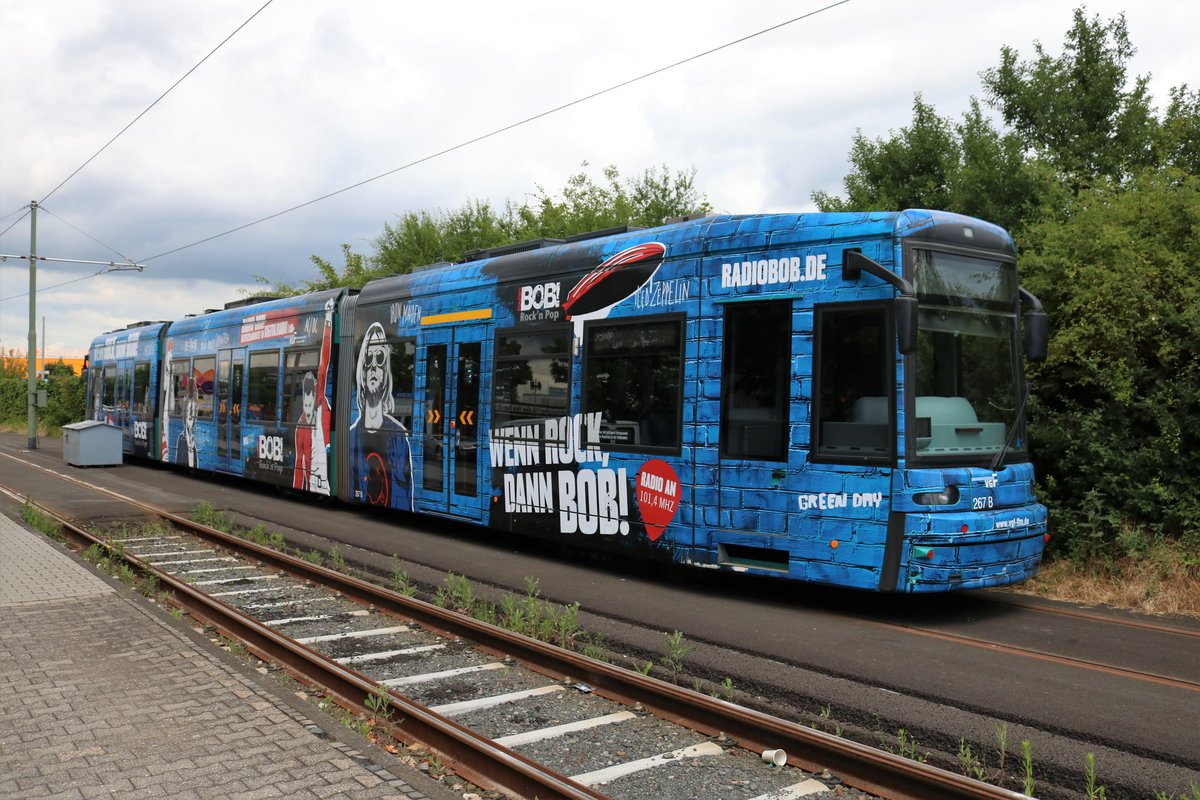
(312, 97)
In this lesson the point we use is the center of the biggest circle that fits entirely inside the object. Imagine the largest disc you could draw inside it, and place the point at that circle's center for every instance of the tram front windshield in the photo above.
(967, 360)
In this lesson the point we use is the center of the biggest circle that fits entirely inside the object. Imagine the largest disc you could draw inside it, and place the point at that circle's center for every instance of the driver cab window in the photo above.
(855, 370)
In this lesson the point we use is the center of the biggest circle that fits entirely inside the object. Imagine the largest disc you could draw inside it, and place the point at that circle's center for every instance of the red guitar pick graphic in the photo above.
(657, 496)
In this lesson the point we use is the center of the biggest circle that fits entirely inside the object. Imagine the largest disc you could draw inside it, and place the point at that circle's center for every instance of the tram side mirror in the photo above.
(854, 264)
(906, 323)
(1036, 325)
(1037, 334)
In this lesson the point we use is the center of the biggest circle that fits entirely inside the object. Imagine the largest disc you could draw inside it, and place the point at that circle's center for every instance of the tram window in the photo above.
(756, 380)
(533, 375)
(204, 372)
(633, 377)
(854, 375)
(181, 370)
(403, 366)
(141, 386)
(109, 399)
(299, 379)
(263, 389)
(95, 400)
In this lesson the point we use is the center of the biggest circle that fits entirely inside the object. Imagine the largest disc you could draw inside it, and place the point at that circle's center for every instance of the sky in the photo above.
(313, 96)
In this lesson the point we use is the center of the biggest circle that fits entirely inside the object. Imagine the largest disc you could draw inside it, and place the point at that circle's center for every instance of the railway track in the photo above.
(503, 710)
(1077, 663)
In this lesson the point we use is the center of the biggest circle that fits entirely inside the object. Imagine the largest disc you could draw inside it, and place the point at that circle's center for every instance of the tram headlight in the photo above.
(946, 497)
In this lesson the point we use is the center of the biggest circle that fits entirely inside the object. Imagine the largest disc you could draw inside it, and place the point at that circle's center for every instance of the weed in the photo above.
(1001, 749)
(206, 514)
(236, 647)
(40, 521)
(908, 747)
(698, 686)
(126, 575)
(401, 584)
(676, 652)
(645, 670)
(314, 556)
(148, 585)
(826, 718)
(727, 690)
(337, 559)
(1027, 763)
(594, 646)
(566, 625)
(379, 703)
(485, 611)
(968, 764)
(94, 553)
(257, 534)
(1094, 791)
(456, 594)
(1193, 795)
(176, 612)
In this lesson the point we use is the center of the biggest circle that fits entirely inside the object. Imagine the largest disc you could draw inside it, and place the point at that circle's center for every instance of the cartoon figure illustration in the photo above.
(380, 447)
(185, 445)
(311, 469)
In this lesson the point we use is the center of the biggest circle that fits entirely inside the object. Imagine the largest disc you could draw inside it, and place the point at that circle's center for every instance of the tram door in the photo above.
(121, 416)
(451, 360)
(754, 427)
(139, 409)
(231, 365)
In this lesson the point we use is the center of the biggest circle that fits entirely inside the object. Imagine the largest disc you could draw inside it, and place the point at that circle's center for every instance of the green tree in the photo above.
(1101, 195)
(969, 167)
(583, 205)
(913, 168)
(1177, 144)
(66, 395)
(428, 237)
(423, 236)
(1075, 110)
(646, 200)
(1117, 423)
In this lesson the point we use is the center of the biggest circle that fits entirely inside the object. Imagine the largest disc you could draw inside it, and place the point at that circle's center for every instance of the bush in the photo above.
(1116, 425)
(66, 397)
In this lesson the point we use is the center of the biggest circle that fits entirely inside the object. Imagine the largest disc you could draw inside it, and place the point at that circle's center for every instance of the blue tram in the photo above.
(124, 383)
(834, 398)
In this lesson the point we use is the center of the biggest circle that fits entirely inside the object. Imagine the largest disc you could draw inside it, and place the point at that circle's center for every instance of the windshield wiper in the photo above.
(998, 461)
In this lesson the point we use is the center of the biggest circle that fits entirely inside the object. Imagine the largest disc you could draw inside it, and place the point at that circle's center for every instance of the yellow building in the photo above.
(16, 365)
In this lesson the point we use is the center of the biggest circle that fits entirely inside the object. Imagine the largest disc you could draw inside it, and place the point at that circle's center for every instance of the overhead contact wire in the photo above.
(156, 102)
(506, 128)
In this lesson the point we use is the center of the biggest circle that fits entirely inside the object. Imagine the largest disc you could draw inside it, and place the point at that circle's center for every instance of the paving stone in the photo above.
(100, 699)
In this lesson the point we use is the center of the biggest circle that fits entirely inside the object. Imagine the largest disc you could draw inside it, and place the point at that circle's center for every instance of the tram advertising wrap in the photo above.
(833, 398)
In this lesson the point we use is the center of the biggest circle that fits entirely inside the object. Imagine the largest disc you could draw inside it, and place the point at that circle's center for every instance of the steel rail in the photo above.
(1091, 616)
(475, 757)
(860, 766)
(1050, 658)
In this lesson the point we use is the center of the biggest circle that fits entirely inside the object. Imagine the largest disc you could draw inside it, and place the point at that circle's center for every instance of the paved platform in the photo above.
(103, 696)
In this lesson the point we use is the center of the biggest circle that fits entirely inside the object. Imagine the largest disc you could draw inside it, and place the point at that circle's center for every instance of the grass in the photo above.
(35, 518)
(1157, 577)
